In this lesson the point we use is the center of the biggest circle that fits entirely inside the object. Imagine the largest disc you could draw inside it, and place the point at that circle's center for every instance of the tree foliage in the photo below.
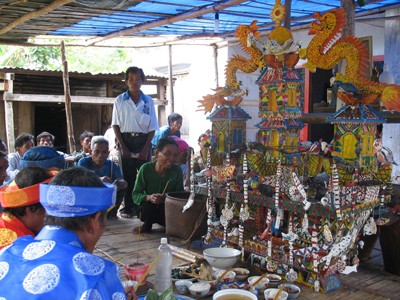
(80, 59)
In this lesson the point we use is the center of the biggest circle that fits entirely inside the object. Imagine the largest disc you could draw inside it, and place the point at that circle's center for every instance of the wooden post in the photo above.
(171, 80)
(288, 7)
(349, 29)
(67, 95)
(9, 110)
(349, 7)
(215, 47)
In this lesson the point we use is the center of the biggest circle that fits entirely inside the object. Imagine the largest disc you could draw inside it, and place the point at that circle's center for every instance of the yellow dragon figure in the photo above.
(235, 63)
(326, 50)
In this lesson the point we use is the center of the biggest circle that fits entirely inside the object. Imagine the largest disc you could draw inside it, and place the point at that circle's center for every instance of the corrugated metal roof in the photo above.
(104, 19)
(99, 76)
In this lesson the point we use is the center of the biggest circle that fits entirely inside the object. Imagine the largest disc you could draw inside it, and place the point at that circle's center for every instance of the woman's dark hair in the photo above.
(164, 142)
(201, 137)
(135, 70)
(174, 117)
(85, 134)
(3, 146)
(75, 176)
(27, 177)
(22, 139)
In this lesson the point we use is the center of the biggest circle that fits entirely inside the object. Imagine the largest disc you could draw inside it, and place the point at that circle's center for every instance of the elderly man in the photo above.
(106, 169)
(45, 139)
(59, 263)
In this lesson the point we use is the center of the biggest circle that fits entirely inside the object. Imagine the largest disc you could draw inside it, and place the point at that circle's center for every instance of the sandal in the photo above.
(127, 215)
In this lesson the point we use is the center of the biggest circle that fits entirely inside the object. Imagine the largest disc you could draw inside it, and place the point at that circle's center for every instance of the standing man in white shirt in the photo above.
(134, 122)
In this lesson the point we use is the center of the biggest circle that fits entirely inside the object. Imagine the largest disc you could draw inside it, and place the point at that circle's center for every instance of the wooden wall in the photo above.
(34, 117)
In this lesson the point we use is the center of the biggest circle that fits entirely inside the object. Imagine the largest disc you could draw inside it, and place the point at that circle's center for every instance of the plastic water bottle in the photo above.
(163, 267)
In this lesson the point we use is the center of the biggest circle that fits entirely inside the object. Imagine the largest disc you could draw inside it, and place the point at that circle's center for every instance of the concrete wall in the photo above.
(391, 132)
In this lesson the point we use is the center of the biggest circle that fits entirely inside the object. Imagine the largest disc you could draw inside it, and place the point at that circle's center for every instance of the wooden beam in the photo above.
(74, 99)
(320, 118)
(179, 17)
(36, 13)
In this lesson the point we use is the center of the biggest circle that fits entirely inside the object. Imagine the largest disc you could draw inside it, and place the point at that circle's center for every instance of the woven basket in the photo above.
(190, 224)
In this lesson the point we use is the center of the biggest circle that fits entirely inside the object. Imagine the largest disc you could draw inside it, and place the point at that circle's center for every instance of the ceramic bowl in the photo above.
(237, 285)
(221, 258)
(183, 285)
(274, 280)
(135, 271)
(269, 294)
(213, 282)
(228, 276)
(233, 293)
(241, 274)
(292, 290)
(262, 285)
(199, 289)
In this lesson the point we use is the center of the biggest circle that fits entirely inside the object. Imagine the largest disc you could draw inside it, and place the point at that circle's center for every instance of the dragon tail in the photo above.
(391, 97)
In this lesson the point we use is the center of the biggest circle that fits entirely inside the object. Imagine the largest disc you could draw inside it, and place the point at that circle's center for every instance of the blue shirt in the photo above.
(54, 265)
(105, 170)
(163, 132)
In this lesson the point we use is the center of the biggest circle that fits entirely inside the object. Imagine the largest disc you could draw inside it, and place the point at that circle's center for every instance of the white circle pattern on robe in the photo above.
(38, 249)
(118, 296)
(4, 268)
(76, 244)
(4, 249)
(60, 195)
(42, 279)
(53, 227)
(88, 264)
(91, 295)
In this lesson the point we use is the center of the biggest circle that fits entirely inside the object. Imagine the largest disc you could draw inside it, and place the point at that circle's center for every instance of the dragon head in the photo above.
(328, 25)
(244, 30)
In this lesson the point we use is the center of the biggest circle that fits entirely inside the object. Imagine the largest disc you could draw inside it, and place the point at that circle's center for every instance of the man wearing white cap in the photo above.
(58, 263)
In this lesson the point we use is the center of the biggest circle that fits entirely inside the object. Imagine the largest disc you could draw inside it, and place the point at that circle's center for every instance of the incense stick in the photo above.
(143, 277)
(220, 277)
(259, 279)
(277, 295)
(165, 188)
(110, 257)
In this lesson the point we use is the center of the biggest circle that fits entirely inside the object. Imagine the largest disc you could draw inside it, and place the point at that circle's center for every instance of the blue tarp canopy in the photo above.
(180, 19)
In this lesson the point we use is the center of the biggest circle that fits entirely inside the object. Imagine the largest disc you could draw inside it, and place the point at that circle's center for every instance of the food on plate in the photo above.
(204, 273)
(177, 273)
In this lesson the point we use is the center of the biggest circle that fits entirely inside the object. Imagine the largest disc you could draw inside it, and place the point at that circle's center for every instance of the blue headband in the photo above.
(75, 201)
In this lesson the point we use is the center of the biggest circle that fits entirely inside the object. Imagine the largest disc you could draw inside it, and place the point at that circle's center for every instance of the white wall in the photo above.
(391, 132)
